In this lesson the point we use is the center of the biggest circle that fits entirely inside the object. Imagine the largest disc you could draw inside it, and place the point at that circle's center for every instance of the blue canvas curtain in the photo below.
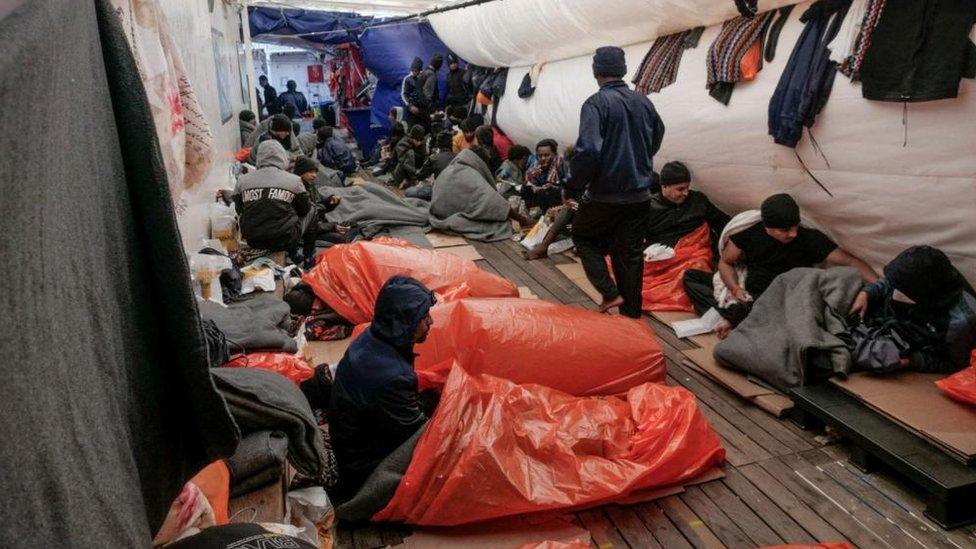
(341, 27)
(387, 53)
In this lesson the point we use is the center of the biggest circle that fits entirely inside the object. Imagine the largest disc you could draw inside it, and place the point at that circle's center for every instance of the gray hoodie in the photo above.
(271, 201)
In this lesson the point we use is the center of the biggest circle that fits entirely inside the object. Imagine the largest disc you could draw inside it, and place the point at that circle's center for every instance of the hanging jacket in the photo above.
(620, 132)
(806, 82)
(374, 404)
(919, 51)
(271, 201)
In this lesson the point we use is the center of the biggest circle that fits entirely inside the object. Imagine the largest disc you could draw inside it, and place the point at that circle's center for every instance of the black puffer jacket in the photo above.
(375, 405)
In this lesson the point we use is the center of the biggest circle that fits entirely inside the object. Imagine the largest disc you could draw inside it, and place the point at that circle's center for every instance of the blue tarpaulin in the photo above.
(387, 53)
(340, 27)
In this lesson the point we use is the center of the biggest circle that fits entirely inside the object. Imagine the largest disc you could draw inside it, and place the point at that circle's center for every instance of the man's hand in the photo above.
(342, 229)
(860, 305)
(723, 328)
(413, 109)
(335, 199)
(740, 294)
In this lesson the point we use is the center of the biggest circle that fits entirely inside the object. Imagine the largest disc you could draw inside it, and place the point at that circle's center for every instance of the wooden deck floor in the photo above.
(781, 484)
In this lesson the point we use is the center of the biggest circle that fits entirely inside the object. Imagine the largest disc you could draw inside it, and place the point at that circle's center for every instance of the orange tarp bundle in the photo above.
(495, 449)
(569, 349)
(292, 366)
(664, 289)
(348, 277)
(961, 385)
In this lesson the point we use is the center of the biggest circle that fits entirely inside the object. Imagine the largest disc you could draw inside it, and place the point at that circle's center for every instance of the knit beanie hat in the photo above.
(280, 123)
(780, 211)
(470, 124)
(318, 123)
(609, 61)
(451, 58)
(924, 274)
(437, 61)
(416, 64)
(325, 133)
(674, 173)
(304, 164)
(417, 132)
(445, 140)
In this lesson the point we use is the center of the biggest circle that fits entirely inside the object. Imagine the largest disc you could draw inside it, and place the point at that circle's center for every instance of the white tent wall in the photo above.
(886, 196)
(192, 23)
(512, 33)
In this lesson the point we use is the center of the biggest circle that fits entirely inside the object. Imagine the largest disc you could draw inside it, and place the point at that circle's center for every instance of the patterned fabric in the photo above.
(185, 140)
(852, 66)
(553, 176)
(734, 40)
(659, 69)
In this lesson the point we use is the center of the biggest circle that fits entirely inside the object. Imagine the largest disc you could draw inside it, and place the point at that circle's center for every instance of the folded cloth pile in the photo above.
(258, 461)
(260, 323)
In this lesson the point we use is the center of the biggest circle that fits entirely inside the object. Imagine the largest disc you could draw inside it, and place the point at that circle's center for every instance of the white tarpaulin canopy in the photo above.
(363, 7)
(887, 195)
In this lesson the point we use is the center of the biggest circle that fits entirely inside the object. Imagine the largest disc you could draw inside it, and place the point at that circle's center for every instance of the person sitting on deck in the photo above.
(248, 123)
(334, 153)
(677, 210)
(484, 135)
(271, 202)
(433, 167)
(374, 405)
(465, 139)
(543, 186)
(316, 229)
(410, 156)
(927, 302)
(766, 250)
(511, 175)
(278, 128)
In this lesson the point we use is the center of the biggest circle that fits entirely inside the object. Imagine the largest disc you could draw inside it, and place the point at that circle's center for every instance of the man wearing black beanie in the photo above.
(772, 247)
(677, 210)
(411, 93)
(620, 132)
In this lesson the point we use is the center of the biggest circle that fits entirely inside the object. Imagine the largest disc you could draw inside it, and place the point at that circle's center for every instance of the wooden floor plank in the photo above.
(602, 531)
(777, 519)
(694, 528)
(661, 526)
(507, 269)
(632, 528)
(741, 515)
(718, 522)
(813, 523)
(545, 273)
(367, 538)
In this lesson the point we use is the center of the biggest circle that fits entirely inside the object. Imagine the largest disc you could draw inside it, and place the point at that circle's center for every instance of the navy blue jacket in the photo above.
(374, 406)
(411, 93)
(620, 132)
(336, 155)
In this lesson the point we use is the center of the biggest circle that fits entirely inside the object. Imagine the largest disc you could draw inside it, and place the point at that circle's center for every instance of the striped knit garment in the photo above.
(659, 69)
(872, 15)
(733, 41)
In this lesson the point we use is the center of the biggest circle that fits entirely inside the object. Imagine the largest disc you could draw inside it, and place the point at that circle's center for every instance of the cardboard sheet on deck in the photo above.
(574, 272)
(506, 533)
(703, 361)
(325, 352)
(912, 400)
(443, 240)
(526, 293)
(464, 252)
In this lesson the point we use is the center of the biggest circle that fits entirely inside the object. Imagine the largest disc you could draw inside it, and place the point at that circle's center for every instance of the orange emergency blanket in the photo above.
(294, 367)
(348, 277)
(495, 449)
(569, 349)
(961, 385)
(664, 289)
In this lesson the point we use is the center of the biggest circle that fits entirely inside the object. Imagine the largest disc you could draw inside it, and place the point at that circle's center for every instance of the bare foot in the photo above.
(607, 305)
(723, 328)
(541, 251)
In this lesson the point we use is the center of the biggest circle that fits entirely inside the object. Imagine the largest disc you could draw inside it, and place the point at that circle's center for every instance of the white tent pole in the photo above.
(248, 53)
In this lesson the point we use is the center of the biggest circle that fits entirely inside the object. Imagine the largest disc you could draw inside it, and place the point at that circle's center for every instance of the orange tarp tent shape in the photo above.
(566, 348)
(348, 277)
(961, 385)
(664, 288)
(495, 448)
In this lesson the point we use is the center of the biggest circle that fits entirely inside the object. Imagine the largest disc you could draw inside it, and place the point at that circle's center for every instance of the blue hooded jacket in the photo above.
(374, 406)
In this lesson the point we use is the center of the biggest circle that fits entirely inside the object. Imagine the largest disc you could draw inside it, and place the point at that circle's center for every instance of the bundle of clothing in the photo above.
(659, 69)
(736, 54)
(854, 37)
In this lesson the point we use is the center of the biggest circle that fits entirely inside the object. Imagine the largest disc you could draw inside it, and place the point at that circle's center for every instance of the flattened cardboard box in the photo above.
(913, 400)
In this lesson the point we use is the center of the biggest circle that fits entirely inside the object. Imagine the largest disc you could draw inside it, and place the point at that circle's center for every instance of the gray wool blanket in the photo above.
(375, 209)
(261, 400)
(465, 201)
(379, 488)
(795, 329)
(254, 324)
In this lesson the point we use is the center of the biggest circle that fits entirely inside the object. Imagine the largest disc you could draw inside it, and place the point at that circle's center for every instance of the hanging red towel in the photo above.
(495, 449)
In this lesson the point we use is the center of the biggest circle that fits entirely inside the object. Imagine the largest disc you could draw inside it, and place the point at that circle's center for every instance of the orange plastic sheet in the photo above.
(961, 385)
(348, 277)
(495, 449)
(294, 367)
(569, 349)
(664, 289)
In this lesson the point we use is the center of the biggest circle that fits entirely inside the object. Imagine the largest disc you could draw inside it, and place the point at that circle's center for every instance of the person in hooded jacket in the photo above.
(294, 97)
(334, 153)
(410, 156)
(277, 128)
(248, 123)
(429, 87)
(458, 90)
(374, 403)
(271, 202)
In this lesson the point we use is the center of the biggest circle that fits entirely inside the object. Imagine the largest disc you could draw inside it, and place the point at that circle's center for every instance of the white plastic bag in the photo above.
(205, 270)
(311, 510)
(257, 277)
(223, 221)
(538, 234)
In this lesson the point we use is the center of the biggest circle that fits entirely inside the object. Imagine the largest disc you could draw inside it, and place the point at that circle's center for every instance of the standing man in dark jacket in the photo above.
(374, 405)
(620, 132)
(429, 87)
(270, 96)
(411, 93)
(458, 91)
(294, 97)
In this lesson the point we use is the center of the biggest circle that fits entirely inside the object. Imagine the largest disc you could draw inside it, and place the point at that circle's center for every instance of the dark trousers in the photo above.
(618, 229)
(701, 291)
